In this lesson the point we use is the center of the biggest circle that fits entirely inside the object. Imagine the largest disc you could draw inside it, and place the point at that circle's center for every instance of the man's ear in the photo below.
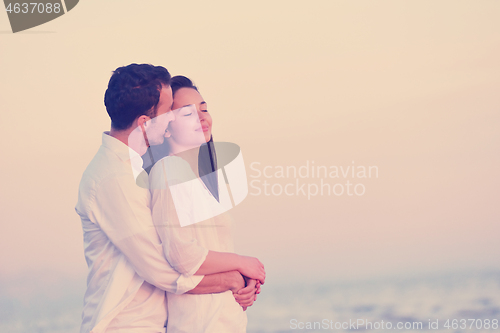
(142, 121)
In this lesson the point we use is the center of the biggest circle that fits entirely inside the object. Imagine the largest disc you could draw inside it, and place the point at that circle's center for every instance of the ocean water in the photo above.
(312, 307)
(346, 307)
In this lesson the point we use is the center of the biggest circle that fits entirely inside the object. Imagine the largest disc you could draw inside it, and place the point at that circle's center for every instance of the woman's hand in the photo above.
(251, 267)
(257, 286)
(246, 296)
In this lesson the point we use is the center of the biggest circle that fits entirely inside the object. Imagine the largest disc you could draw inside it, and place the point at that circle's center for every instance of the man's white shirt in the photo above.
(128, 272)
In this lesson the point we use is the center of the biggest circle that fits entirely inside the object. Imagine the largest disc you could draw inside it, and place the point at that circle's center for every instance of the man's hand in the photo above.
(246, 296)
(234, 280)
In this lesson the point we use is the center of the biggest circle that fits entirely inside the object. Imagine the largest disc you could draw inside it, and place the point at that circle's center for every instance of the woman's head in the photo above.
(186, 93)
(188, 100)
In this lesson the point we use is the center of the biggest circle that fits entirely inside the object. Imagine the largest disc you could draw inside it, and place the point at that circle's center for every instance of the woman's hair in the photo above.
(207, 159)
(179, 81)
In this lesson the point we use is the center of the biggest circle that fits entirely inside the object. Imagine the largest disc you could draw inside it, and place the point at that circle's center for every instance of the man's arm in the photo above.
(219, 282)
(122, 212)
(244, 290)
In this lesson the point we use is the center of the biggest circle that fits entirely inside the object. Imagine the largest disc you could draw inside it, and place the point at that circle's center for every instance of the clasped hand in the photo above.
(247, 295)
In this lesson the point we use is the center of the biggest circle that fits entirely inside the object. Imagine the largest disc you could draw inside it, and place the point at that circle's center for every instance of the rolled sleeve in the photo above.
(187, 283)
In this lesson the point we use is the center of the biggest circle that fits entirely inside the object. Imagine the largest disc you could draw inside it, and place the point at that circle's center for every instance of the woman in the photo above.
(196, 237)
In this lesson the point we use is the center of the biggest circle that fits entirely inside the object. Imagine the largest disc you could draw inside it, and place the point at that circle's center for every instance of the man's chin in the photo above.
(157, 142)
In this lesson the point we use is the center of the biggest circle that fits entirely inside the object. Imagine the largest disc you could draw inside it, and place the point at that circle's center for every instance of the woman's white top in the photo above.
(181, 198)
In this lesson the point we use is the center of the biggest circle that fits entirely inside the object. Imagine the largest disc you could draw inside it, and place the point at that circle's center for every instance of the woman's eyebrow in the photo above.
(203, 103)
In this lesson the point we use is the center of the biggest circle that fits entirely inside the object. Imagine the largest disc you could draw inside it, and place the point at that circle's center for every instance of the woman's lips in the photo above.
(204, 128)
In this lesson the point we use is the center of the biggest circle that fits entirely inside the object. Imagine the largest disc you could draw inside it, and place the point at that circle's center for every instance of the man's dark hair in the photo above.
(133, 91)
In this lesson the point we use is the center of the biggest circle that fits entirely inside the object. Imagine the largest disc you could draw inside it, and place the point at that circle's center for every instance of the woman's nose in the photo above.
(201, 115)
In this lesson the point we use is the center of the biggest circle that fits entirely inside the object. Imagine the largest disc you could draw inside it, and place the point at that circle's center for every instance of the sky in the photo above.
(408, 87)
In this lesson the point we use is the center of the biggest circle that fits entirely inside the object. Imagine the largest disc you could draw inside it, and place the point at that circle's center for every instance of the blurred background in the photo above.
(411, 87)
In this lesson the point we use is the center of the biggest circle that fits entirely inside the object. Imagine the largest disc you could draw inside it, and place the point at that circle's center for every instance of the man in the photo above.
(128, 273)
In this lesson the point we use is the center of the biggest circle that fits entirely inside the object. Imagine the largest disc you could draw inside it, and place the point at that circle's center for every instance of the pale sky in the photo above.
(411, 87)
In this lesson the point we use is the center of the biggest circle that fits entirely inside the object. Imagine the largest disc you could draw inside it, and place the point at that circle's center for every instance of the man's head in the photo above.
(134, 91)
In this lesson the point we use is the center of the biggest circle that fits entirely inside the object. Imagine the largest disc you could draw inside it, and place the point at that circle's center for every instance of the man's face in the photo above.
(156, 127)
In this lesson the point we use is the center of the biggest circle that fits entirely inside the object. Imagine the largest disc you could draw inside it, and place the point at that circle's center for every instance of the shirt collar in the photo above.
(124, 152)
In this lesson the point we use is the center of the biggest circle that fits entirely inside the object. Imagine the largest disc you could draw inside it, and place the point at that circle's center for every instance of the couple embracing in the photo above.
(149, 272)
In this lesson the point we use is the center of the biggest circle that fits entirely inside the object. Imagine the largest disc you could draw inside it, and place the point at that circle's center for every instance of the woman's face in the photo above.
(192, 125)
(188, 96)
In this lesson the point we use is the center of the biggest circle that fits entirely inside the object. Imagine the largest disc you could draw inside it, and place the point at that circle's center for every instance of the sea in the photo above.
(451, 302)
